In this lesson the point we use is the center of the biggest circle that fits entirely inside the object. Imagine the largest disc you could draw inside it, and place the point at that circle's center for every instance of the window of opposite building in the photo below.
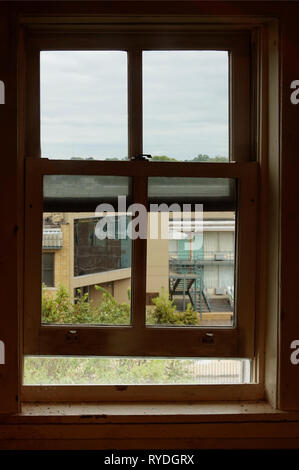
(48, 269)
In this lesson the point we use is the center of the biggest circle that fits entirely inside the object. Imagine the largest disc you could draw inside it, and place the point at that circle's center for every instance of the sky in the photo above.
(84, 104)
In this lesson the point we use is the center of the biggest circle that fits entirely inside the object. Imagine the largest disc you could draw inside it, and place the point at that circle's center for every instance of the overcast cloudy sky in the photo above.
(84, 103)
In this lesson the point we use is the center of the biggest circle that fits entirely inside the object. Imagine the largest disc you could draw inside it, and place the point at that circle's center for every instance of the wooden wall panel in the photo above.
(9, 218)
(289, 373)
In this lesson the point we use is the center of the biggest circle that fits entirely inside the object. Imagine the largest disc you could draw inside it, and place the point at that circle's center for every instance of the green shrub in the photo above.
(165, 312)
(60, 308)
(110, 312)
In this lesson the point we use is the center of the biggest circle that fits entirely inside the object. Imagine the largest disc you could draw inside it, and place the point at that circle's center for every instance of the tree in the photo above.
(201, 158)
(205, 158)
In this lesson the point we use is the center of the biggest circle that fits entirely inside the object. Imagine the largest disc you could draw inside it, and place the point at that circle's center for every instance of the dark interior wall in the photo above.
(9, 213)
(289, 322)
(11, 179)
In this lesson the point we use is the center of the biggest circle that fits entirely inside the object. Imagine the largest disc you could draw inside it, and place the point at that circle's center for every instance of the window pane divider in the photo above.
(134, 103)
(46, 166)
(139, 260)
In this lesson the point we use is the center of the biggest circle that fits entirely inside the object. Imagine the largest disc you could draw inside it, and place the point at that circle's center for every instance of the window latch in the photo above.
(72, 336)
(142, 157)
(208, 338)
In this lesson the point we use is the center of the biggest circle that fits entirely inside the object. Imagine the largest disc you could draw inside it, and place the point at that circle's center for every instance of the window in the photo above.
(93, 255)
(48, 269)
(93, 155)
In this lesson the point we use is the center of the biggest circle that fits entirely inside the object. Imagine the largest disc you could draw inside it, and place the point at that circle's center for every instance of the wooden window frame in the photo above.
(134, 41)
(237, 341)
(229, 342)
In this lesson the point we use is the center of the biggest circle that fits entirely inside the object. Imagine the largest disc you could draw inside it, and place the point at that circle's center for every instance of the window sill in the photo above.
(136, 412)
(149, 426)
(148, 411)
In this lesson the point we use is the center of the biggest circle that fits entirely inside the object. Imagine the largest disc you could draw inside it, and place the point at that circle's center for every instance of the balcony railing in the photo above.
(52, 238)
(197, 255)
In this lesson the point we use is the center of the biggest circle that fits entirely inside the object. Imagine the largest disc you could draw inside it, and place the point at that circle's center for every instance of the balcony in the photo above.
(193, 259)
(187, 283)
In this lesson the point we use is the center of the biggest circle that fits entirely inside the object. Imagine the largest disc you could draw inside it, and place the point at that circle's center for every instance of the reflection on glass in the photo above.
(186, 97)
(93, 255)
(84, 104)
(212, 192)
(191, 270)
(75, 193)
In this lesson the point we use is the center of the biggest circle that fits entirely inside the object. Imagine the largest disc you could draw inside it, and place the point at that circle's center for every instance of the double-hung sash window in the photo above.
(154, 257)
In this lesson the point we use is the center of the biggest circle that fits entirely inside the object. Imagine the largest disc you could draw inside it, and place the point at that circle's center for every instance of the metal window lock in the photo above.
(208, 338)
(142, 157)
(72, 336)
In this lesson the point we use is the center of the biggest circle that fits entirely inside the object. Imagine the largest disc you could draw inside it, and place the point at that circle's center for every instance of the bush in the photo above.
(165, 312)
(60, 308)
(100, 370)
(110, 311)
(56, 309)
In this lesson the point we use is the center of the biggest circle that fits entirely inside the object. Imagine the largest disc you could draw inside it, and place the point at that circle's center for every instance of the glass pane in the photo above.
(133, 371)
(191, 252)
(84, 104)
(214, 193)
(186, 103)
(90, 250)
(80, 192)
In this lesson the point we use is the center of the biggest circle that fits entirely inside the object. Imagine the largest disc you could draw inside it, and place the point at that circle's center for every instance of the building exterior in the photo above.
(192, 267)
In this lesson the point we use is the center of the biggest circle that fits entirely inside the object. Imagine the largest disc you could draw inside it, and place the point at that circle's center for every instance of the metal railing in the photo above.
(196, 255)
(231, 295)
